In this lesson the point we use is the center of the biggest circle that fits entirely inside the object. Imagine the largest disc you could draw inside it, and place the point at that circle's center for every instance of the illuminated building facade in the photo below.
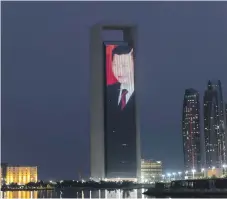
(226, 117)
(214, 172)
(1, 182)
(191, 130)
(21, 174)
(151, 170)
(214, 126)
(3, 173)
(114, 142)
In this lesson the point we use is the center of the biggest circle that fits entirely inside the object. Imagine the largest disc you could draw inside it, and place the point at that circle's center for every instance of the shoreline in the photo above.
(29, 189)
(79, 188)
(187, 194)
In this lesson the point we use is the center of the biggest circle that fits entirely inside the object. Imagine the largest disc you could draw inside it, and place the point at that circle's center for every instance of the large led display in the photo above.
(120, 117)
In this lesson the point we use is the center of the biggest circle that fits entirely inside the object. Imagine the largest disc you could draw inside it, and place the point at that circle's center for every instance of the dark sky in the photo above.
(45, 76)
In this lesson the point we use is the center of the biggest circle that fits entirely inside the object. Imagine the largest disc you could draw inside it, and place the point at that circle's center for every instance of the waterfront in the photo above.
(76, 193)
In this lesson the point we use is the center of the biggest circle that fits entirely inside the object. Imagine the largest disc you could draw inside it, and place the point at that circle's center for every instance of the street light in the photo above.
(163, 176)
(169, 175)
(193, 173)
(203, 171)
(224, 167)
(179, 173)
(186, 175)
(142, 179)
(174, 175)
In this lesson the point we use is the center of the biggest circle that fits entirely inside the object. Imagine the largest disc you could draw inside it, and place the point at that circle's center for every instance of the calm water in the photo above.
(75, 193)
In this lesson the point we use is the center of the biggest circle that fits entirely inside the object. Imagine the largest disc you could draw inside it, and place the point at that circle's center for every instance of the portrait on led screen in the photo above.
(120, 114)
(120, 73)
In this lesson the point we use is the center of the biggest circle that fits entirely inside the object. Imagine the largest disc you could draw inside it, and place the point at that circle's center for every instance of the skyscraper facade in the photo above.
(191, 130)
(151, 170)
(225, 117)
(214, 125)
(114, 128)
(210, 127)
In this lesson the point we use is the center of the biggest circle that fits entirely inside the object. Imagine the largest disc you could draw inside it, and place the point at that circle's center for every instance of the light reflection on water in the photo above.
(76, 193)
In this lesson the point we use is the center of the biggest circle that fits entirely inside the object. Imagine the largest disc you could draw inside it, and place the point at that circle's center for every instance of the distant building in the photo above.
(206, 173)
(1, 176)
(210, 127)
(3, 173)
(151, 170)
(226, 117)
(215, 172)
(19, 174)
(191, 130)
(214, 126)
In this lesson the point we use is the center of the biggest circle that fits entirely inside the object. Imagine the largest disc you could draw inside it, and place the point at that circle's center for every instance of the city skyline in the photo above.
(45, 76)
(204, 148)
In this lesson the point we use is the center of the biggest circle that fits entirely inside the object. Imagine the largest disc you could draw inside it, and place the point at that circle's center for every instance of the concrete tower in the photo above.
(98, 124)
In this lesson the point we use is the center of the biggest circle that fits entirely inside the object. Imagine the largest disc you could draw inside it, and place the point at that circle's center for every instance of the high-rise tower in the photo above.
(210, 127)
(114, 128)
(191, 130)
(214, 125)
(225, 117)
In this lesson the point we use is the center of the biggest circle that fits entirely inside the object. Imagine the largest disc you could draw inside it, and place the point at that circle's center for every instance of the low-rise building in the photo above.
(214, 173)
(206, 173)
(151, 170)
(19, 174)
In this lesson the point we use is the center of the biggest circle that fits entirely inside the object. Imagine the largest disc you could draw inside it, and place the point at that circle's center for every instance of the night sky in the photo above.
(45, 76)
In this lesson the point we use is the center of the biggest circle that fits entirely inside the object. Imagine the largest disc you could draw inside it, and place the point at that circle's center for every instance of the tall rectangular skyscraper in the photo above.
(214, 125)
(226, 117)
(115, 138)
(191, 130)
(210, 127)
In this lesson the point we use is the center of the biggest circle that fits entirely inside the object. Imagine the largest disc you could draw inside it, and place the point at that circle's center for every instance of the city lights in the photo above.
(188, 174)
(174, 175)
(193, 173)
(151, 170)
(19, 174)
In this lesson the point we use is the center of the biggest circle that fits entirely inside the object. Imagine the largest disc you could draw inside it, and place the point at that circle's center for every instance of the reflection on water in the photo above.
(29, 194)
(20, 194)
(75, 193)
